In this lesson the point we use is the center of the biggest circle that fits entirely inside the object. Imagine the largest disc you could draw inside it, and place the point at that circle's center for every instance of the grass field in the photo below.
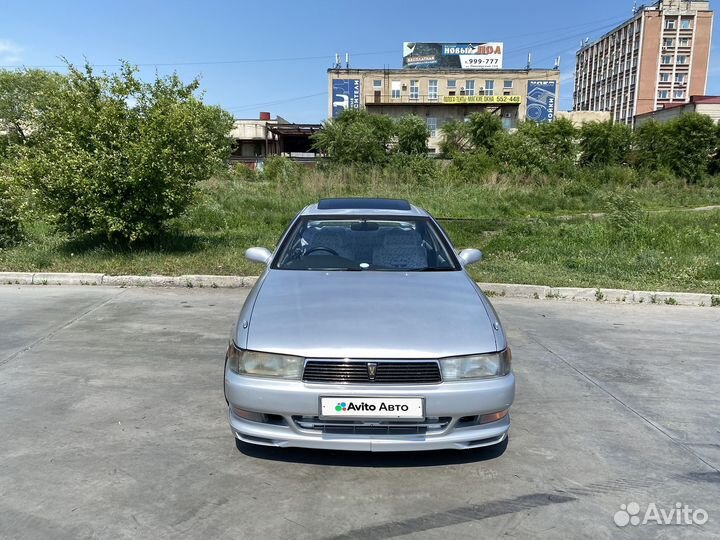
(529, 232)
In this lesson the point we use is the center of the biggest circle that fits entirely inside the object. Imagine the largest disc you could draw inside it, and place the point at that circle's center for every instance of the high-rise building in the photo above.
(660, 56)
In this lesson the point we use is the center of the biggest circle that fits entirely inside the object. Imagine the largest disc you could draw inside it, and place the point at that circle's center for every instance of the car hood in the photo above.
(319, 314)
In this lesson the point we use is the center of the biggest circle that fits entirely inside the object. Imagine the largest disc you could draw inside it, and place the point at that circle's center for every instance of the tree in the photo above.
(356, 137)
(692, 141)
(23, 94)
(558, 138)
(650, 146)
(482, 127)
(10, 226)
(455, 138)
(412, 135)
(118, 157)
(605, 143)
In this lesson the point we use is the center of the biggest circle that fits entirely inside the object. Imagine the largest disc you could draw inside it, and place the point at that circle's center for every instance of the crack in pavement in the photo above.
(626, 406)
(59, 328)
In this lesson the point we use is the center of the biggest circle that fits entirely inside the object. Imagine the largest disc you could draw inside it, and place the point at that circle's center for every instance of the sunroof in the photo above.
(364, 204)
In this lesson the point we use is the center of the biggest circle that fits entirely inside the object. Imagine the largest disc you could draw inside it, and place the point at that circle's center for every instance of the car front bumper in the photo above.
(291, 399)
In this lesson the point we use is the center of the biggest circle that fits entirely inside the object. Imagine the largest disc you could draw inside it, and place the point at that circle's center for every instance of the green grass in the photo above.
(514, 222)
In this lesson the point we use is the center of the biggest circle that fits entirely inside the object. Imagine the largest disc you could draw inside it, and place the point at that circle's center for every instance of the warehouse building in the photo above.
(443, 82)
(658, 57)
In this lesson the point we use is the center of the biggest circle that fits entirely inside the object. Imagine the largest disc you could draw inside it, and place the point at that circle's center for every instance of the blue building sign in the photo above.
(345, 95)
(541, 101)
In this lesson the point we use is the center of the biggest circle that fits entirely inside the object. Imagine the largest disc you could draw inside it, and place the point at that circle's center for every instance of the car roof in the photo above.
(364, 207)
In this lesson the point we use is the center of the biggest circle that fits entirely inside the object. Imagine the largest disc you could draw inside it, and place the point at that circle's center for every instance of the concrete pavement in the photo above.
(112, 425)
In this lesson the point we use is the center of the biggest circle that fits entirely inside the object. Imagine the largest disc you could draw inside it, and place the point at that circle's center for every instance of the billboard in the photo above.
(511, 100)
(345, 95)
(477, 55)
(541, 101)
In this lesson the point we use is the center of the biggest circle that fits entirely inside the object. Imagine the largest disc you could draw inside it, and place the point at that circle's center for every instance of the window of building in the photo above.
(670, 24)
(489, 88)
(663, 94)
(469, 88)
(682, 59)
(377, 84)
(452, 84)
(685, 23)
(507, 88)
(666, 59)
(668, 43)
(664, 77)
(432, 126)
(684, 42)
(414, 89)
(681, 78)
(395, 89)
(432, 89)
(679, 94)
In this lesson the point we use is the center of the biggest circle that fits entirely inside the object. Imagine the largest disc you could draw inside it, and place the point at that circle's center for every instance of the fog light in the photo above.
(249, 415)
(492, 417)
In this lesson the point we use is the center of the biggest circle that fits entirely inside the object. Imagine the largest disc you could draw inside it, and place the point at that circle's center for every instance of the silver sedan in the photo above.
(365, 332)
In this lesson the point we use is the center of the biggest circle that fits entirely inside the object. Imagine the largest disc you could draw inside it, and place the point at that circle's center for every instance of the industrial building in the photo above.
(442, 95)
(658, 57)
(257, 138)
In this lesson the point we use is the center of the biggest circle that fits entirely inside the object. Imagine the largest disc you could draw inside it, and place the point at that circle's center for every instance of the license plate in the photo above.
(372, 407)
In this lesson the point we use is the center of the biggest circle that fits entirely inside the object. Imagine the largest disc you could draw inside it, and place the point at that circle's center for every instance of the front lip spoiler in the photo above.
(286, 437)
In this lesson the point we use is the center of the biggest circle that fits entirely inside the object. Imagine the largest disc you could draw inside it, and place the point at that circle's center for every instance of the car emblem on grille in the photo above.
(372, 369)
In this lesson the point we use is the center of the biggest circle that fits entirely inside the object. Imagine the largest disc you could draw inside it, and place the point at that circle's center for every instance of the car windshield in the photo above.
(365, 243)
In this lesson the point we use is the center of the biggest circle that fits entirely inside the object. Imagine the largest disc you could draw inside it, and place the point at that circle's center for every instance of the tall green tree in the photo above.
(455, 138)
(356, 137)
(482, 127)
(650, 146)
(118, 157)
(412, 135)
(692, 141)
(23, 95)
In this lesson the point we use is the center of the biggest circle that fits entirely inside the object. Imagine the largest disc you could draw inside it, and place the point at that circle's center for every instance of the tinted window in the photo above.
(372, 243)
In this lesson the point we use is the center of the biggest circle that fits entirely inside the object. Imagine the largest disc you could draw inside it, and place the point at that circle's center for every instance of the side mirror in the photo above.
(258, 254)
(470, 256)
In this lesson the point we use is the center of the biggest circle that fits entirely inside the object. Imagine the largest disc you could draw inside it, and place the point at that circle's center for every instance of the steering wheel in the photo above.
(321, 248)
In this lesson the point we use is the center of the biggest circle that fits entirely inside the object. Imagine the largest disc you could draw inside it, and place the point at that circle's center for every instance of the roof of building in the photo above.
(694, 100)
(363, 206)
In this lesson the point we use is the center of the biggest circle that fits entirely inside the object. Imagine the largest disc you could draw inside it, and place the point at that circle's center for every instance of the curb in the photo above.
(537, 292)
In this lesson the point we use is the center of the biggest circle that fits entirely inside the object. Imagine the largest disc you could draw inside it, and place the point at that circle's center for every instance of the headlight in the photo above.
(478, 366)
(260, 364)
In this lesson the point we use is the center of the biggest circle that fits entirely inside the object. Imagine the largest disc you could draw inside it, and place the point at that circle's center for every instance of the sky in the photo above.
(273, 56)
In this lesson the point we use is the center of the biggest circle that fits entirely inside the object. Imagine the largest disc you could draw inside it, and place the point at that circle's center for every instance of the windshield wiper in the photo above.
(434, 269)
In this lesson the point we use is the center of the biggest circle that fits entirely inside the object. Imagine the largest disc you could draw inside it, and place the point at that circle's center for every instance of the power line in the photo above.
(276, 102)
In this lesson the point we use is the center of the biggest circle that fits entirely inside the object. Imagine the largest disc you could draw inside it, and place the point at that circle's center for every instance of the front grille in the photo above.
(364, 427)
(352, 372)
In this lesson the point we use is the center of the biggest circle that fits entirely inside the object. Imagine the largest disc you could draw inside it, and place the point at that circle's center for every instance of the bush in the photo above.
(471, 167)
(114, 156)
(415, 168)
(282, 170)
(625, 216)
(10, 227)
(605, 143)
(521, 153)
(650, 146)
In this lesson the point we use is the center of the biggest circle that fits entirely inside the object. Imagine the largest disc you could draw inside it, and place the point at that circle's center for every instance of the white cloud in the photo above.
(10, 53)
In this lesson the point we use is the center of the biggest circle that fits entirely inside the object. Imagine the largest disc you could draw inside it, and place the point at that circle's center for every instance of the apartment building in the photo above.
(658, 57)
